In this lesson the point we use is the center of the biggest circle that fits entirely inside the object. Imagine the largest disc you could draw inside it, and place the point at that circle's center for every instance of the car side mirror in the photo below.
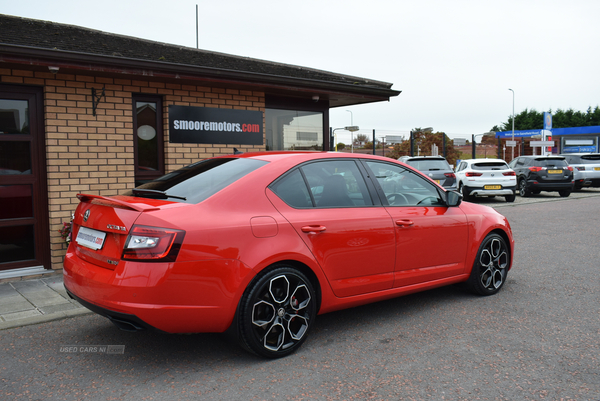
(453, 198)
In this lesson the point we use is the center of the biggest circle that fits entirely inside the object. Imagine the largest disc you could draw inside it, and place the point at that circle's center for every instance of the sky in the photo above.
(453, 60)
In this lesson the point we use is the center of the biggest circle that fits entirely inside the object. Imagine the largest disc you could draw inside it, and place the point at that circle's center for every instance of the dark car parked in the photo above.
(543, 173)
(436, 167)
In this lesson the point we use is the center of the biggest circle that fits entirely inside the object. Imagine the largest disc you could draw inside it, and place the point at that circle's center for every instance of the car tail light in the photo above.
(571, 168)
(450, 175)
(536, 169)
(473, 174)
(152, 244)
(509, 174)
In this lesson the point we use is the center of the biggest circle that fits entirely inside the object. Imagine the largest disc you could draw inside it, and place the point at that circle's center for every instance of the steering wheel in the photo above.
(427, 197)
(392, 198)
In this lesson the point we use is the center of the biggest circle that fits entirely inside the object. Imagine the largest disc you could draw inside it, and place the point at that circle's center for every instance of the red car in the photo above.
(261, 243)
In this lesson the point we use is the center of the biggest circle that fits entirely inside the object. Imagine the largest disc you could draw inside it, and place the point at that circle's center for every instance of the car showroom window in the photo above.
(403, 187)
(336, 183)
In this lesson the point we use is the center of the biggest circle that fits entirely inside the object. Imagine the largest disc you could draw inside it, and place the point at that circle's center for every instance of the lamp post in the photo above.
(351, 132)
(351, 128)
(513, 126)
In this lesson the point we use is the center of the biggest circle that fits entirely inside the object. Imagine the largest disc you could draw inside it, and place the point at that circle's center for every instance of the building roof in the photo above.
(22, 39)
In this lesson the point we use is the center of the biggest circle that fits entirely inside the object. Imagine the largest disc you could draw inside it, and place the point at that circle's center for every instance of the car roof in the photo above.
(483, 160)
(543, 157)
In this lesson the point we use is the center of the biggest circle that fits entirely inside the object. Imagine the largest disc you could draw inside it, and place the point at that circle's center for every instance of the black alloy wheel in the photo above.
(491, 266)
(277, 312)
(523, 191)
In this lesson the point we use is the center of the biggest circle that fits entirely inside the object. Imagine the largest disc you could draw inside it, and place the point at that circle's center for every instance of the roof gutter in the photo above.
(112, 64)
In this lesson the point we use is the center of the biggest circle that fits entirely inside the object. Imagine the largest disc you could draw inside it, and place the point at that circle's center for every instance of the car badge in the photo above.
(86, 215)
(492, 174)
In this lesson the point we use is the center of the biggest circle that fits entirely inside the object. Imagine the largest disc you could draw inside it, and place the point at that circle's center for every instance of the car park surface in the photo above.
(543, 173)
(261, 243)
(478, 178)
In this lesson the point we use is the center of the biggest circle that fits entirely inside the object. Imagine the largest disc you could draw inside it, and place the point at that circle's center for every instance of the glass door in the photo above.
(24, 237)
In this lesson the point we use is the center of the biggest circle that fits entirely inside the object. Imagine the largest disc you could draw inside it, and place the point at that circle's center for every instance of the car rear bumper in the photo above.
(479, 191)
(174, 298)
(549, 186)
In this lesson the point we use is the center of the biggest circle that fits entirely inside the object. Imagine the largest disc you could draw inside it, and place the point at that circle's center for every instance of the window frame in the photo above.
(140, 175)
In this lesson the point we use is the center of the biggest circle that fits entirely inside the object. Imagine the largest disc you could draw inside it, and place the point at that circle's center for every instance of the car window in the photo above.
(429, 165)
(292, 190)
(550, 163)
(490, 166)
(590, 159)
(333, 183)
(402, 187)
(198, 181)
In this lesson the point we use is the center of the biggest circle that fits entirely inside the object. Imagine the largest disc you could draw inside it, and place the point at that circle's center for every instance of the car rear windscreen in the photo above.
(490, 166)
(198, 181)
(429, 165)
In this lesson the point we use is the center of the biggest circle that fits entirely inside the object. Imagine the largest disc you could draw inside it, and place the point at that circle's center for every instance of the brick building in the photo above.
(84, 111)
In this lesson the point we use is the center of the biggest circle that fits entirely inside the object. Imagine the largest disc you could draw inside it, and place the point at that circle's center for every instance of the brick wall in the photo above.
(95, 154)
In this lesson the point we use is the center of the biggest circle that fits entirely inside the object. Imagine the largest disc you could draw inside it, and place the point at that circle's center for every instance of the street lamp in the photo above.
(351, 131)
(513, 126)
(351, 128)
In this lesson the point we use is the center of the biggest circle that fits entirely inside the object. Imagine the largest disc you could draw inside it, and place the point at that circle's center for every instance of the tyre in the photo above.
(464, 193)
(523, 191)
(277, 312)
(491, 266)
(564, 193)
(510, 198)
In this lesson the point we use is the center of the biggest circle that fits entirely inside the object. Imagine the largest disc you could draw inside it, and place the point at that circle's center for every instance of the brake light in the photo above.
(536, 169)
(509, 173)
(571, 168)
(581, 168)
(152, 244)
(450, 175)
(473, 174)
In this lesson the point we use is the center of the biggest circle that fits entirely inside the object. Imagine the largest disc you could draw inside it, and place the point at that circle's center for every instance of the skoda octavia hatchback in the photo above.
(260, 244)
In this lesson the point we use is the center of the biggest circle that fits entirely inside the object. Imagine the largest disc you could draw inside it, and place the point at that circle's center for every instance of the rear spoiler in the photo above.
(140, 207)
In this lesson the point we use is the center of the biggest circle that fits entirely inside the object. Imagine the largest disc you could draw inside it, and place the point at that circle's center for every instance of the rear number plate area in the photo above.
(90, 238)
(492, 187)
(554, 171)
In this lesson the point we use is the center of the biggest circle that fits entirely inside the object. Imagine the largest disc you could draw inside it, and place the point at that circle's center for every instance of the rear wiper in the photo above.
(153, 193)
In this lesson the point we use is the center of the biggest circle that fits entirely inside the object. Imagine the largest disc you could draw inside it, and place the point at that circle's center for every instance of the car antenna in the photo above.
(237, 152)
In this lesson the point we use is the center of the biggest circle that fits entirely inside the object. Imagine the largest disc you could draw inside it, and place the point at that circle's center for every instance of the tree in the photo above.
(531, 119)
(424, 140)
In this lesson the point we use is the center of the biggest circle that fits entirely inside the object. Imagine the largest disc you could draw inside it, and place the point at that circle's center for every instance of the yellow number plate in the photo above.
(596, 168)
(492, 187)
(554, 171)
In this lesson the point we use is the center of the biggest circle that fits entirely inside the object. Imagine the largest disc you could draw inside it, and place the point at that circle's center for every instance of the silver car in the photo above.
(586, 169)
(435, 167)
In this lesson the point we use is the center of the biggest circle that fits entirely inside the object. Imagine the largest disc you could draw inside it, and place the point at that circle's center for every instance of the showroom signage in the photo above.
(210, 125)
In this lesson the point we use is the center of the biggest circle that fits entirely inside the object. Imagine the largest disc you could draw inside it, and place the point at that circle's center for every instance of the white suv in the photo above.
(486, 177)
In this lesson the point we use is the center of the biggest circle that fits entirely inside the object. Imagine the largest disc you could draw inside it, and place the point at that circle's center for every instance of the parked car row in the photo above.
(525, 175)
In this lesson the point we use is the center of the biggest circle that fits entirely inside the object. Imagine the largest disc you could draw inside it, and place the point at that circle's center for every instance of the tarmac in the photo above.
(36, 300)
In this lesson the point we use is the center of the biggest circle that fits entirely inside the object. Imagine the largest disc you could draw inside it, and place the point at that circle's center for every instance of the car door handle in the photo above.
(313, 229)
(404, 222)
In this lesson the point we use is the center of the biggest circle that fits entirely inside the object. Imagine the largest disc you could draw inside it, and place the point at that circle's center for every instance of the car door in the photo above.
(431, 238)
(352, 237)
